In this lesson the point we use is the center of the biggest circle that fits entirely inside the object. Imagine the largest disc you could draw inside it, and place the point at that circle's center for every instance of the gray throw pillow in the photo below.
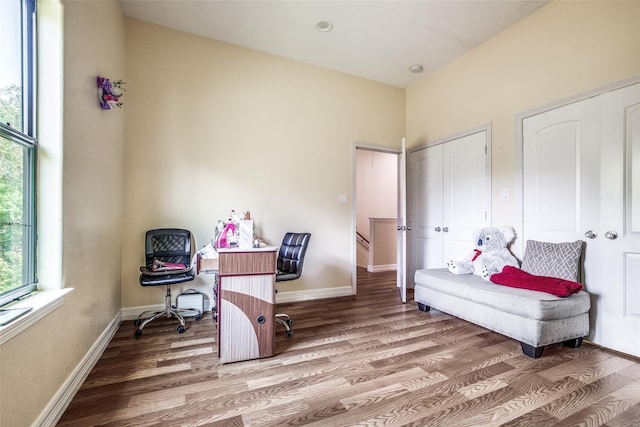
(553, 259)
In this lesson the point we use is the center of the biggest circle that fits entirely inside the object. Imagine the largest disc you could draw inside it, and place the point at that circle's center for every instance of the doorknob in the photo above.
(611, 234)
(438, 229)
(591, 234)
(446, 229)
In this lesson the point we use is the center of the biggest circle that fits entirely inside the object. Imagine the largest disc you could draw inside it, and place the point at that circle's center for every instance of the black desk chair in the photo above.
(290, 262)
(164, 248)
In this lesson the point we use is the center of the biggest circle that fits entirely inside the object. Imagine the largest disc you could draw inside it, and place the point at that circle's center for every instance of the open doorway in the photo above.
(375, 210)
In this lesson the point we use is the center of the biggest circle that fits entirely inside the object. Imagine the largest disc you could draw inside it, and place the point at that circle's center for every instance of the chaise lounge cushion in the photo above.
(522, 302)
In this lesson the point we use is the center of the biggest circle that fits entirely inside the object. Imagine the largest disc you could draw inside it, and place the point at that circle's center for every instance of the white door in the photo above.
(426, 208)
(561, 170)
(401, 262)
(450, 187)
(618, 315)
(466, 195)
(580, 165)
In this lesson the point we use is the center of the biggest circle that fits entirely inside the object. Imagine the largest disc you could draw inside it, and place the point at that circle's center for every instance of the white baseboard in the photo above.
(61, 400)
(293, 296)
(378, 268)
(131, 313)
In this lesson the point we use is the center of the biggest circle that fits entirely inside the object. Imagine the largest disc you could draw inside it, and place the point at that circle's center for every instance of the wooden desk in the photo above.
(246, 303)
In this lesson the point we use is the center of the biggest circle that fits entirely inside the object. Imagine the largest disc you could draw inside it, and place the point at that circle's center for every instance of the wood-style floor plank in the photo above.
(365, 360)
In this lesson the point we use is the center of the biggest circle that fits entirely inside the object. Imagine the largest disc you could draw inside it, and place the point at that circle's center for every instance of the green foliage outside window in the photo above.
(12, 229)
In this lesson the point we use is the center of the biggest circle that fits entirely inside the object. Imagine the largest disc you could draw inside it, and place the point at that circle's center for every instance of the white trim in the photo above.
(61, 400)
(382, 267)
(41, 302)
(486, 127)
(370, 147)
(131, 313)
(313, 294)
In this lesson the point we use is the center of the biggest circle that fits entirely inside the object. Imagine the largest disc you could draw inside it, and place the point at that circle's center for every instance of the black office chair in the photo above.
(290, 262)
(167, 262)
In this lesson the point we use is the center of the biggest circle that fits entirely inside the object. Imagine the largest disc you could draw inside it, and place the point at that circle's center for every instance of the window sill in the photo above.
(41, 302)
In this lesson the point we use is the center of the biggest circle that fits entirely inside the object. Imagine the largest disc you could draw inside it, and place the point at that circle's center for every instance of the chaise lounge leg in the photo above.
(574, 343)
(532, 351)
(423, 307)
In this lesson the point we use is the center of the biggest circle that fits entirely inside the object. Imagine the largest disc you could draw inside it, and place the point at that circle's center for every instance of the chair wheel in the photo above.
(138, 333)
(137, 322)
(289, 334)
(180, 329)
(198, 317)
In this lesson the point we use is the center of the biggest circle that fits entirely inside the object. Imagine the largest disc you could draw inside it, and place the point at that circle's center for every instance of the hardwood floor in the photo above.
(366, 360)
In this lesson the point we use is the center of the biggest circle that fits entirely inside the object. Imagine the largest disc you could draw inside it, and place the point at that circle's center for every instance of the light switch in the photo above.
(505, 194)
(342, 199)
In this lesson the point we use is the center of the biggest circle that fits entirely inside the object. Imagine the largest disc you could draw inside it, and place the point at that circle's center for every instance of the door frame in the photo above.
(366, 147)
(518, 248)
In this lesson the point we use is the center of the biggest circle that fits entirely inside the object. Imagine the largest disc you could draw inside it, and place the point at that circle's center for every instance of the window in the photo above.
(17, 149)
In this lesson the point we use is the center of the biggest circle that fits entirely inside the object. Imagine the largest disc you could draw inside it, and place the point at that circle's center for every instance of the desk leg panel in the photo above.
(246, 319)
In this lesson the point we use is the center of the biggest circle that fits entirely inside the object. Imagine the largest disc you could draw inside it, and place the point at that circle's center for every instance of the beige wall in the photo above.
(36, 363)
(376, 187)
(384, 247)
(212, 127)
(561, 50)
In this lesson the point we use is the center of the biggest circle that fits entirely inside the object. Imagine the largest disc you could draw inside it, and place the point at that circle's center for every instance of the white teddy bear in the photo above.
(490, 255)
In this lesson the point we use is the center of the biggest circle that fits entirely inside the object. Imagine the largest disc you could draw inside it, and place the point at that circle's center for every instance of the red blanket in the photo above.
(516, 278)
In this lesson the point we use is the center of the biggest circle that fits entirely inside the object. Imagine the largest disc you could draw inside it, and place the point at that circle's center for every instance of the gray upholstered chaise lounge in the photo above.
(534, 318)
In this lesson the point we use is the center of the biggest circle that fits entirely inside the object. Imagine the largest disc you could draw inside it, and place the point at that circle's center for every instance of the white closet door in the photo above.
(581, 169)
(401, 243)
(618, 313)
(426, 228)
(561, 156)
(466, 195)
(450, 189)
(561, 170)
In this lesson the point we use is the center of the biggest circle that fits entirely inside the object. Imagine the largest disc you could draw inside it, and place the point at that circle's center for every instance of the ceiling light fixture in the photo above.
(416, 69)
(324, 26)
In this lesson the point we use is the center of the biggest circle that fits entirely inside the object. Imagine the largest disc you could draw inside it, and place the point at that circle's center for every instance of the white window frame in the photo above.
(24, 135)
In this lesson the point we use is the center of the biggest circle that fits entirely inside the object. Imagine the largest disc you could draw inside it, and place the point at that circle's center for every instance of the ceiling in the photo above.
(377, 40)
